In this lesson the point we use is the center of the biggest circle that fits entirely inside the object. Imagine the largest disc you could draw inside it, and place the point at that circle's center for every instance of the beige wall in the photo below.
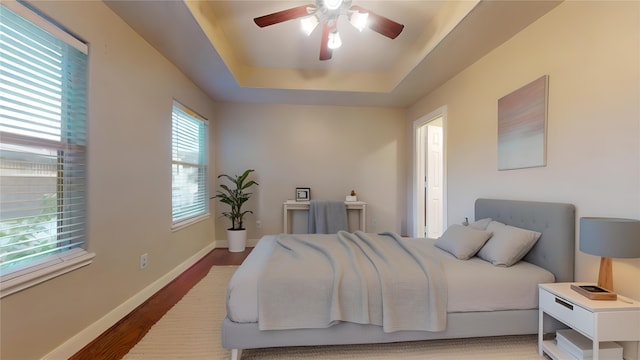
(131, 88)
(329, 149)
(590, 50)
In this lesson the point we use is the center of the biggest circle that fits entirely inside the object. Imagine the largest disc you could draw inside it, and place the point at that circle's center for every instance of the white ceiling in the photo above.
(217, 44)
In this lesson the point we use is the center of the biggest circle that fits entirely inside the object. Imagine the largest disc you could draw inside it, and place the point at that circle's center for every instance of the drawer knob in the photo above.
(564, 303)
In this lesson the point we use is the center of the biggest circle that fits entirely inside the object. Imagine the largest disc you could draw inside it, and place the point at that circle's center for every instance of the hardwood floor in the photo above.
(121, 337)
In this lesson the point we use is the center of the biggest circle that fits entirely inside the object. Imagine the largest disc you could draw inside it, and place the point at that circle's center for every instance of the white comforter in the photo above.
(385, 280)
(472, 285)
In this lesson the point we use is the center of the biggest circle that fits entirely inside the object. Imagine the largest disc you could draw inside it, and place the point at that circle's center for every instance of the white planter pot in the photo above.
(237, 240)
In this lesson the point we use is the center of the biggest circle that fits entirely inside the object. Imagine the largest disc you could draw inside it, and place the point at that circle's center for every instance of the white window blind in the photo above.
(189, 165)
(42, 146)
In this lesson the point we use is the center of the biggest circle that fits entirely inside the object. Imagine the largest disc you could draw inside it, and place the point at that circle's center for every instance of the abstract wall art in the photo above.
(522, 126)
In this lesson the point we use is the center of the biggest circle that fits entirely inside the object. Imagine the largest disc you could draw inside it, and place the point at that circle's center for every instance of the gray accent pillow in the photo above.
(508, 245)
(462, 241)
(480, 224)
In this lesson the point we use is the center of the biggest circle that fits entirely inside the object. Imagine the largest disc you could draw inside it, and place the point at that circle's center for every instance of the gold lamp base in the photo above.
(605, 277)
(604, 290)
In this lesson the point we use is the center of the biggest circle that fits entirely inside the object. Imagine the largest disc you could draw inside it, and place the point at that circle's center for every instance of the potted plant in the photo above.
(235, 196)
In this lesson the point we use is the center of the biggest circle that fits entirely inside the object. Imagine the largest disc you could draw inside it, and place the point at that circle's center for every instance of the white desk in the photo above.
(292, 205)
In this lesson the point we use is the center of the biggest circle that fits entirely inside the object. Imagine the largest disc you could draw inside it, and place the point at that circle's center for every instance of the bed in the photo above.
(552, 257)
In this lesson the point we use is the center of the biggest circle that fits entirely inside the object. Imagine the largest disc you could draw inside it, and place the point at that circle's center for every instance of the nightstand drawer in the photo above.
(568, 312)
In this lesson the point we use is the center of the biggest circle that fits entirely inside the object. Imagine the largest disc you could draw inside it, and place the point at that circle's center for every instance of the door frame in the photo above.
(418, 193)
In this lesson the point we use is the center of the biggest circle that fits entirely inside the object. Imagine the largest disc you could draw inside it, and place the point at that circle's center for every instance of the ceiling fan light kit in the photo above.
(334, 40)
(359, 20)
(332, 4)
(327, 12)
(309, 23)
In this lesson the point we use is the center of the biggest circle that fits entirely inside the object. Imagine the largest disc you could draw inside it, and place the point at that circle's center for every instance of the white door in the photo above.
(433, 205)
(429, 171)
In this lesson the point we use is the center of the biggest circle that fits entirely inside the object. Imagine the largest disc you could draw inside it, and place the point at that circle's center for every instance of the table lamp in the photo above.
(609, 238)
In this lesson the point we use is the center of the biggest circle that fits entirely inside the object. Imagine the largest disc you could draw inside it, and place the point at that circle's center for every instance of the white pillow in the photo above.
(480, 224)
(462, 241)
(508, 245)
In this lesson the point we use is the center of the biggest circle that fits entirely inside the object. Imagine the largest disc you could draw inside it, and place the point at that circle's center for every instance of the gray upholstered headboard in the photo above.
(555, 250)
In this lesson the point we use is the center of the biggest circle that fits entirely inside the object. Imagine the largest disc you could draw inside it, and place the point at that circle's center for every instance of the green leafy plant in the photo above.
(235, 196)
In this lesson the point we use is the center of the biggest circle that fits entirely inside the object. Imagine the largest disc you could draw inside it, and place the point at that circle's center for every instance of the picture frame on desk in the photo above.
(303, 194)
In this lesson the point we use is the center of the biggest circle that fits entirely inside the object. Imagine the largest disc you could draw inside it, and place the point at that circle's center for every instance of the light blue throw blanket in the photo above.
(327, 217)
(315, 281)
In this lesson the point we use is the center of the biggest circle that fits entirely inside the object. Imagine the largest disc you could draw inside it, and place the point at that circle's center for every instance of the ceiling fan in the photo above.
(327, 12)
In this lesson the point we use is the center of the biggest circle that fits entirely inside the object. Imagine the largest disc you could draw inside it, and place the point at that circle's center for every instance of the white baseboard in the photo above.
(80, 340)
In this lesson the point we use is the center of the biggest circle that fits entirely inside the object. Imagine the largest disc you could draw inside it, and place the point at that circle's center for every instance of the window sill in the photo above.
(185, 223)
(34, 275)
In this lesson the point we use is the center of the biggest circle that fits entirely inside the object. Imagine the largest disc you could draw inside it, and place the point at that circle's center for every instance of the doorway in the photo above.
(429, 182)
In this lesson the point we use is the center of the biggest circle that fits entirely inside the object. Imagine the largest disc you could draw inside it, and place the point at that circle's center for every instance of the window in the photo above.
(42, 150)
(189, 166)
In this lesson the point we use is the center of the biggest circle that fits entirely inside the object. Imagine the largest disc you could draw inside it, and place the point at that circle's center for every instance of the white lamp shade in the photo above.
(309, 23)
(359, 20)
(334, 40)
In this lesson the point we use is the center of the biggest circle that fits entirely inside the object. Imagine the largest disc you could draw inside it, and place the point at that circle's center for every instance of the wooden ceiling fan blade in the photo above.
(325, 51)
(282, 16)
(381, 24)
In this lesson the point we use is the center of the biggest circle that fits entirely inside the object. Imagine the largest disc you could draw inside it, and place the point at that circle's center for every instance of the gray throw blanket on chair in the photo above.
(327, 217)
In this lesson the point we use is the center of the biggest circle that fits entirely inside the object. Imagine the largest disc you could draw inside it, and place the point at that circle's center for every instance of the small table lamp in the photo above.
(609, 238)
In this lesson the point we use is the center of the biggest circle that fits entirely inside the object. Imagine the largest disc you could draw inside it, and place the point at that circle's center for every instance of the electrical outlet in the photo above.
(258, 224)
(144, 259)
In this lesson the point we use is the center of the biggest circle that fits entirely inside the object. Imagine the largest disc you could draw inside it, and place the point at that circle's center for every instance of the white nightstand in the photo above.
(599, 320)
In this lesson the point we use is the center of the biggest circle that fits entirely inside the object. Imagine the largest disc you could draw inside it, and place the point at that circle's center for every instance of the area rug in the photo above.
(191, 330)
